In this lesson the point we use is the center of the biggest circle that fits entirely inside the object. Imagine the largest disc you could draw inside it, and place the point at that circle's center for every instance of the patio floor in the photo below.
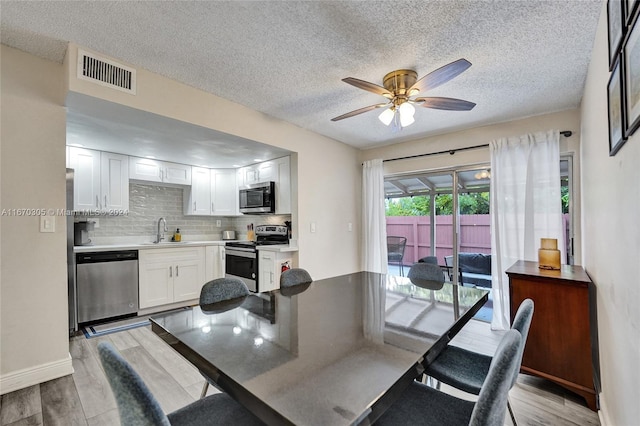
(484, 314)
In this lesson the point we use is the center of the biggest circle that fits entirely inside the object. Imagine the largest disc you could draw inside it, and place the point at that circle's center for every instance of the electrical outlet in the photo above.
(350, 226)
(47, 224)
(218, 223)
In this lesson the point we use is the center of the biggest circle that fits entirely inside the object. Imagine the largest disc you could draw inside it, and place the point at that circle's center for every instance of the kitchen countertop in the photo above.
(150, 245)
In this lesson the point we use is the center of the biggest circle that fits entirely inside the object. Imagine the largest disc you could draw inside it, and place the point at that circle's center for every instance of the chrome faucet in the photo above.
(160, 235)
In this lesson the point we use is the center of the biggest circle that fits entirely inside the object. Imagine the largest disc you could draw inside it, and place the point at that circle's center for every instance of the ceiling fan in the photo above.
(401, 86)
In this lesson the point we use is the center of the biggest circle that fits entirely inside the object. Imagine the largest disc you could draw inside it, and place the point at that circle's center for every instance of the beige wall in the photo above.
(33, 286)
(611, 242)
(564, 120)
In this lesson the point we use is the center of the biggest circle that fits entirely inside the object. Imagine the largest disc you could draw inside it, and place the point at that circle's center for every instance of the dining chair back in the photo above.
(467, 370)
(222, 289)
(395, 251)
(423, 405)
(137, 405)
(293, 277)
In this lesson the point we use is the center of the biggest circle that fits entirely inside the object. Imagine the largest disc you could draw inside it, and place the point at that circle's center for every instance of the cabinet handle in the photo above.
(160, 173)
(97, 202)
(212, 209)
(170, 271)
(105, 202)
(271, 277)
(194, 206)
(177, 271)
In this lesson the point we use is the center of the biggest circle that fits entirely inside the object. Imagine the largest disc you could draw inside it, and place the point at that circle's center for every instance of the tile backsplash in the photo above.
(148, 203)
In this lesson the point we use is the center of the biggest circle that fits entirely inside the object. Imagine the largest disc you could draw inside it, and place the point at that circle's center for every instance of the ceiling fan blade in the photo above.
(448, 104)
(358, 111)
(365, 85)
(441, 75)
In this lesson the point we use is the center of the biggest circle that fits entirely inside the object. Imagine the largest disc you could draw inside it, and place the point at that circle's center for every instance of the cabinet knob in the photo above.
(177, 271)
(170, 271)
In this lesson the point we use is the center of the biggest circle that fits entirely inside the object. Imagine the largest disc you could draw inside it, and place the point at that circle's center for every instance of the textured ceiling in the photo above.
(287, 58)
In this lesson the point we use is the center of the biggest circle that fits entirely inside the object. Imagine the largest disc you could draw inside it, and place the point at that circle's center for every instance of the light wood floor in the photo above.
(85, 397)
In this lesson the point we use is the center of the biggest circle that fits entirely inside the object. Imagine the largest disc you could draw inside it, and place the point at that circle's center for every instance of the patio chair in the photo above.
(395, 251)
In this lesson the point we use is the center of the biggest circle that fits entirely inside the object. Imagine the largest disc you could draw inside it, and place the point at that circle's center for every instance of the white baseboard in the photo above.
(603, 412)
(32, 376)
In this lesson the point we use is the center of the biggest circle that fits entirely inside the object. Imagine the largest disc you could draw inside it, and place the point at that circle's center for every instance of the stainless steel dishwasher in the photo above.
(107, 284)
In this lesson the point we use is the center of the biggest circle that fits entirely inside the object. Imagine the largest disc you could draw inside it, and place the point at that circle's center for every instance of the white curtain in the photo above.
(525, 206)
(374, 228)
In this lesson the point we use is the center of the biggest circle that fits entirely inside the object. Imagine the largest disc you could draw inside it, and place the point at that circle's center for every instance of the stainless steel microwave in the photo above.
(258, 198)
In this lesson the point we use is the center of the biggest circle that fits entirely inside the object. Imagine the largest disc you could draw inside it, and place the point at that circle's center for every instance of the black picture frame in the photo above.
(617, 135)
(630, 56)
(616, 24)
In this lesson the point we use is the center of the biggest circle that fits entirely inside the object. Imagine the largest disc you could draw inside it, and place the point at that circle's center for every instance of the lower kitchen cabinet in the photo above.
(170, 275)
(214, 262)
(269, 269)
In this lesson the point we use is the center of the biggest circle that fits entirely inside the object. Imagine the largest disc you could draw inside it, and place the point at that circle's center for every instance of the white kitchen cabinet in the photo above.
(170, 275)
(197, 197)
(114, 181)
(269, 269)
(224, 192)
(214, 262)
(101, 180)
(150, 170)
(278, 171)
(261, 172)
(282, 167)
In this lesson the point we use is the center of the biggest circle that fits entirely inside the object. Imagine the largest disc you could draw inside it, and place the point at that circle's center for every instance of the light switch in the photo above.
(47, 224)
(350, 226)
(313, 227)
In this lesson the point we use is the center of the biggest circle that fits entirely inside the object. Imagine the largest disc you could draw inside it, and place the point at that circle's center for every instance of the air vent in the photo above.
(105, 72)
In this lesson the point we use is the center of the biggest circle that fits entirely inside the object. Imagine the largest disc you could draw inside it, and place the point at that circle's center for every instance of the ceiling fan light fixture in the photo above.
(386, 116)
(406, 119)
(406, 111)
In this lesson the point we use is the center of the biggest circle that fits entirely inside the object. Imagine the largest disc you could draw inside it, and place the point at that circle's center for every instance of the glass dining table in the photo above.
(337, 352)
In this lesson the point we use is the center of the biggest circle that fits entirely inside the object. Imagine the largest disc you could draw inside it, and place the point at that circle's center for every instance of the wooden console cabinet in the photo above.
(559, 343)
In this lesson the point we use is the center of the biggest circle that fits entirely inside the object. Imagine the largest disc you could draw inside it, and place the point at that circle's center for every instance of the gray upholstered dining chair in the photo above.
(426, 275)
(420, 404)
(429, 259)
(467, 370)
(395, 251)
(294, 281)
(137, 405)
(217, 296)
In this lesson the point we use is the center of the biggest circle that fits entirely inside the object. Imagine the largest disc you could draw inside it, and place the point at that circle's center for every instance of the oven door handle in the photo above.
(239, 252)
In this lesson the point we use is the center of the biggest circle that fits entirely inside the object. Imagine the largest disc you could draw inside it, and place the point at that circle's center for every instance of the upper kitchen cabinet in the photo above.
(212, 192)
(278, 171)
(197, 198)
(101, 180)
(224, 192)
(146, 169)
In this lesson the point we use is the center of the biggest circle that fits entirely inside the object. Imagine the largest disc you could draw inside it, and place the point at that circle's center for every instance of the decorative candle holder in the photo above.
(548, 254)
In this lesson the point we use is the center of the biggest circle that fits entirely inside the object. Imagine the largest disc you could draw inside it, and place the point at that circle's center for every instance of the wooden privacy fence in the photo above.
(475, 235)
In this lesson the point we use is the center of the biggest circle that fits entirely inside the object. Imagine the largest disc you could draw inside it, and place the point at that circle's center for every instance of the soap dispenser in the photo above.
(177, 237)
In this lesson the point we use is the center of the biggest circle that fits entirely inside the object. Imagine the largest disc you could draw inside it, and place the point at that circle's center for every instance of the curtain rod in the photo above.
(565, 133)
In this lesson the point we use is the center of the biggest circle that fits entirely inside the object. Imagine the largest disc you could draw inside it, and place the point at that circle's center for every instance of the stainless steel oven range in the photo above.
(241, 257)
